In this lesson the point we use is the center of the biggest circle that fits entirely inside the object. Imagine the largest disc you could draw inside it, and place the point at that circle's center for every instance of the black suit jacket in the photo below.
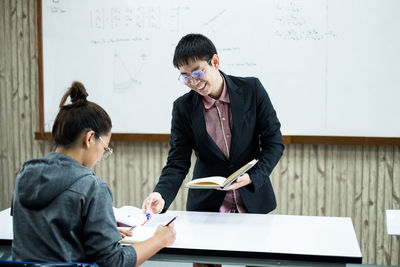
(255, 134)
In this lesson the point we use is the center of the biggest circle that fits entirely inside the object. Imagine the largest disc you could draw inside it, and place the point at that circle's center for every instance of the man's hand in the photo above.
(240, 182)
(154, 202)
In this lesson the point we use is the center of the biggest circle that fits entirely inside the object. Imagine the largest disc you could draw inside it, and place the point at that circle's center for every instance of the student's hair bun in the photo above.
(78, 116)
(77, 93)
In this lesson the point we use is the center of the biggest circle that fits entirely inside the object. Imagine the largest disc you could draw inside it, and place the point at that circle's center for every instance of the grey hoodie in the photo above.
(63, 212)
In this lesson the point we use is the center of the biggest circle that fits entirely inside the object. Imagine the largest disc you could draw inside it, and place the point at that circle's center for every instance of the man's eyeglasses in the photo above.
(197, 75)
(107, 150)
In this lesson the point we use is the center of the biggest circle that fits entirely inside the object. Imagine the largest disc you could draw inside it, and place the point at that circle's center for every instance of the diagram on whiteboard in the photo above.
(295, 21)
(125, 78)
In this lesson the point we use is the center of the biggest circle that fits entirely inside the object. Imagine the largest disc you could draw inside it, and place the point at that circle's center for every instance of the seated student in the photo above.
(61, 210)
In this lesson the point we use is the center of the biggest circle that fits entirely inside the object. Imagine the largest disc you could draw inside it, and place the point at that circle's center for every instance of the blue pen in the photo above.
(148, 215)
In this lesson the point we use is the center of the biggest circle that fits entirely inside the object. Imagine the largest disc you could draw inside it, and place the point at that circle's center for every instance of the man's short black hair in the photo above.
(193, 46)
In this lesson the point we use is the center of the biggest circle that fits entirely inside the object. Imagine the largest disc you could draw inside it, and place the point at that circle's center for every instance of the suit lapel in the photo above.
(237, 105)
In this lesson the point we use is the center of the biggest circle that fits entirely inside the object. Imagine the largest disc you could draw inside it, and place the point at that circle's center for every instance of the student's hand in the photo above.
(155, 202)
(124, 232)
(240, 182)
(166, 234)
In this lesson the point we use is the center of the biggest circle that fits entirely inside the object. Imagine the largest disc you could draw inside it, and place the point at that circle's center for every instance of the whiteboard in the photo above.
(331, 67)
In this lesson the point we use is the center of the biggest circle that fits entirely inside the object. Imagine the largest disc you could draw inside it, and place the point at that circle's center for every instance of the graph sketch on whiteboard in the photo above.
(124, 77)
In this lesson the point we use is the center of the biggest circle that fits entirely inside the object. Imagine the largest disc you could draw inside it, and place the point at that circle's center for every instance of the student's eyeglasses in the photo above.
(107, 150)
(197, 75)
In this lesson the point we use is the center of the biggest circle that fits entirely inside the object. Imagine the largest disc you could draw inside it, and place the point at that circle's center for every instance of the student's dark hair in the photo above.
(79, 116)
(193, 46)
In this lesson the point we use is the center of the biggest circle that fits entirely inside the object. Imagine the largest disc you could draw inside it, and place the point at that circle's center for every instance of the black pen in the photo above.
(173, 219)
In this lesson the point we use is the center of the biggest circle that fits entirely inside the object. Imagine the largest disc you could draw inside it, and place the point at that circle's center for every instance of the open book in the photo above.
(130, 216)
(214, 182)
(139, 234)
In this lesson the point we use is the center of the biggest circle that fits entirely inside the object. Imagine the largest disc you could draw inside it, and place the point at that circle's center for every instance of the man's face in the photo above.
(201, 76)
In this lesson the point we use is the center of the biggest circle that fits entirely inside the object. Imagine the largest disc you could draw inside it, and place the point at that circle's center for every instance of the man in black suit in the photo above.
(227, 121)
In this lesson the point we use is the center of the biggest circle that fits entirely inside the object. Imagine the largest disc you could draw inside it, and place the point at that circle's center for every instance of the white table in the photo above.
(6, 227)
(393, 222)
(253, 239)
(6, 234)
(262, 239)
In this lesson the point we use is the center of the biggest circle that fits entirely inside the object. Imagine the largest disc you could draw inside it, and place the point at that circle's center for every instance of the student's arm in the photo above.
(164, 236)
(100, 234)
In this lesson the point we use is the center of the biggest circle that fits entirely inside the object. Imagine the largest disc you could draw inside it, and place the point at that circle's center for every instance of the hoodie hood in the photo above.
(42, 180)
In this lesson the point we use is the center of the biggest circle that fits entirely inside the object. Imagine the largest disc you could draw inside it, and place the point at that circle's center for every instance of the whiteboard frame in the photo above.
(145, 137)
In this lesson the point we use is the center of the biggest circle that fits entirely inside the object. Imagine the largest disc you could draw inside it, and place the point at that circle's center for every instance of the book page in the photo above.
(129, 215)
(133, 216)
(207, 181)
(139, 234)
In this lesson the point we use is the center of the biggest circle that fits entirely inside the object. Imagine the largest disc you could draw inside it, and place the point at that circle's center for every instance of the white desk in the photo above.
(262, 237)
(259, 240)
(6, 234)
(6, 227)
(393, 222)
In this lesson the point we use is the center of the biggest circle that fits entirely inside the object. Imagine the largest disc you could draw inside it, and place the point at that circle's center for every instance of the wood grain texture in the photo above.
(347, 180)
(3, 117)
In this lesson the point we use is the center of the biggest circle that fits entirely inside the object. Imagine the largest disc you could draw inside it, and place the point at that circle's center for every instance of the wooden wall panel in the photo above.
(360, 182)
(3, 97)
(352, 181)
(394, 203)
